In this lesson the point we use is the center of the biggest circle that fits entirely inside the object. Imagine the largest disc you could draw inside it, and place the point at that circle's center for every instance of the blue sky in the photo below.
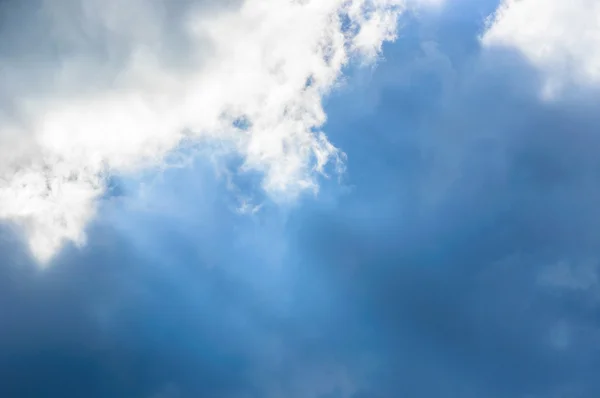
(456, 255)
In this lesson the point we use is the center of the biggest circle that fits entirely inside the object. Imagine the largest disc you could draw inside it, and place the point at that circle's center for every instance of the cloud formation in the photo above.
(561, 38)
(466, 253)
(114, 88)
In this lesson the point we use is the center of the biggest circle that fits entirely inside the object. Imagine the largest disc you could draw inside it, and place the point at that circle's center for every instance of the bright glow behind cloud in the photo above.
(267, 63)
(560, 37)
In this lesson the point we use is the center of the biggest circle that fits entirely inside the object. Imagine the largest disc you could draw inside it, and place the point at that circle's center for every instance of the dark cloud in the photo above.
(459, 262)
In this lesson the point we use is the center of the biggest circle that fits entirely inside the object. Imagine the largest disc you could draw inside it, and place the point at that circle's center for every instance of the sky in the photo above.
(299, 199)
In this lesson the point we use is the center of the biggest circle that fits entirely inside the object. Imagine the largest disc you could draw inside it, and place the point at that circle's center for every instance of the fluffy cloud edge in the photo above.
(561, 39)
(266, 66)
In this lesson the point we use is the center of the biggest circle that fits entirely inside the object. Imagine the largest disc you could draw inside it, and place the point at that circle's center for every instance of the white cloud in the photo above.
(119, 85)
(560, 37)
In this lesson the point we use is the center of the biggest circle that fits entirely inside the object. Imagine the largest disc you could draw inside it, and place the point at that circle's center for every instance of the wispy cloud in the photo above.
(125, 84)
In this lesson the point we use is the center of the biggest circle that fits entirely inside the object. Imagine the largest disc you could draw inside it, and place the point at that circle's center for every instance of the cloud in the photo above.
(561, 38)
(439, 264)
(92, 89)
